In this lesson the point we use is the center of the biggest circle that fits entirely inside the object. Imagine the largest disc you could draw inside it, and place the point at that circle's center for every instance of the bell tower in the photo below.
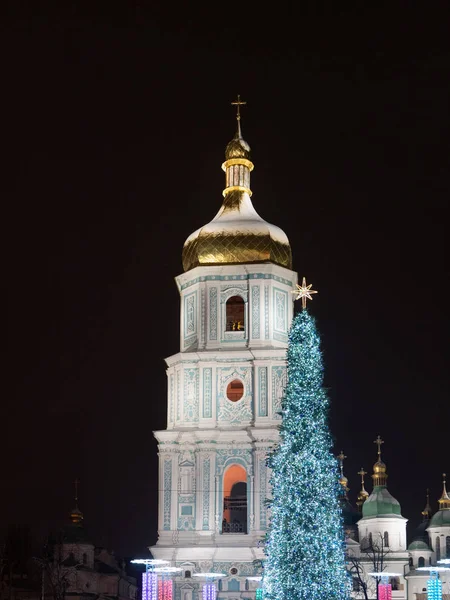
(225, 387)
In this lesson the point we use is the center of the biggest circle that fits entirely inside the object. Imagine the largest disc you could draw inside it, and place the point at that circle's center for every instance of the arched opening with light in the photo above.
(235, 314)
(234, 500)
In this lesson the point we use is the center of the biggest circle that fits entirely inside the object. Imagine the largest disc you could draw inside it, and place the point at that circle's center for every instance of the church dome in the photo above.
(440, 519)
(379, 467)
(418, 545)
(237, 234)
(381, 503)
(237, 148)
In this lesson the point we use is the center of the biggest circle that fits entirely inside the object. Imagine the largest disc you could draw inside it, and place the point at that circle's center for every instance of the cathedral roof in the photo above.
(381, 503)
(237, 234)
(440, 519)
(418, 545)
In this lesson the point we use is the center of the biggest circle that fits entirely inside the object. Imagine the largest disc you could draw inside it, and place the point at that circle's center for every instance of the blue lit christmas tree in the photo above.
(305, 543)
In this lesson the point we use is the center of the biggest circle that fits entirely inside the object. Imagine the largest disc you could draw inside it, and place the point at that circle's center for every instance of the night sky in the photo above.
(114, 126)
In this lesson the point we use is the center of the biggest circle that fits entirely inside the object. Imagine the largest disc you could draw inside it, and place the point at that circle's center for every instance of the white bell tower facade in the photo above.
(225, 387)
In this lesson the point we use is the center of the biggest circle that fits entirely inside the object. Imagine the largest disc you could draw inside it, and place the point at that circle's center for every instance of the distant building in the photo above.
(79, 570)
(381, 545)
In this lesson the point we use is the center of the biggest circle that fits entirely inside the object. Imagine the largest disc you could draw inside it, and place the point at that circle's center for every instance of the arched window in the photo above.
(421, 562)
(234, 500)
(235, 314)
(395, 582)
(447, 546)
(370, 540)
(410, 561)
(386, 539)
(438, 548)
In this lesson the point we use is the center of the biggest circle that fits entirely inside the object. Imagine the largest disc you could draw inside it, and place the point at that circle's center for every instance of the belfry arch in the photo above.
(234, 516)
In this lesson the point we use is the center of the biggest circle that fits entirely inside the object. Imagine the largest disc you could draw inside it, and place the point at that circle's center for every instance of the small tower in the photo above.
(362, 495)
(439, 527)
(419, 549)
(76, 516)
(349, 514)
(382, 519)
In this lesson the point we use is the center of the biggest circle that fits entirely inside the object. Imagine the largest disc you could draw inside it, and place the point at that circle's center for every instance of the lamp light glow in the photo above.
(149, 561)
(209, 575)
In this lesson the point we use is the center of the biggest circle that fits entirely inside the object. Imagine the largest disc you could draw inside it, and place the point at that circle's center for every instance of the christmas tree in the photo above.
(305, 557)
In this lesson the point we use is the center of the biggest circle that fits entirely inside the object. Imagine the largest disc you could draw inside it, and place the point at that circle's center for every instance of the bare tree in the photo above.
(370, 559)
(57, 569)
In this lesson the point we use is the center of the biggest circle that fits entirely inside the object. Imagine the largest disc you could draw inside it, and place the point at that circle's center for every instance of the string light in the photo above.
(149, 586)
(305, 554)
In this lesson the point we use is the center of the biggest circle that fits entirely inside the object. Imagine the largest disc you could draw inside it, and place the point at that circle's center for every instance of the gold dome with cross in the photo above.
(237, 234)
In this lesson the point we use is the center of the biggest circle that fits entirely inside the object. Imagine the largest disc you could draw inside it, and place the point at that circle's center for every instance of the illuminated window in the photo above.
(235, 390)
(235, 314)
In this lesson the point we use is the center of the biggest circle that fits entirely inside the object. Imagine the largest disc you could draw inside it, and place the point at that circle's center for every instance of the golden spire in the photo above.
(304, 292)
(238, 103)
(379, 468)
(363, 495)
(426, 513)
(342, 479)
(444, 500)
(76, 516)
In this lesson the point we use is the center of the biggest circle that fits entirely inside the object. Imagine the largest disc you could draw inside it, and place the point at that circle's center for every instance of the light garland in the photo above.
(209, 591)
(305, 543)
(434, 587)
(165, 589)
(384, 591)
(149, 586)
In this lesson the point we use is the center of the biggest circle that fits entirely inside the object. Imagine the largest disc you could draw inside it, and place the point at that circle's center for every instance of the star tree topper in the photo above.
(304, 292)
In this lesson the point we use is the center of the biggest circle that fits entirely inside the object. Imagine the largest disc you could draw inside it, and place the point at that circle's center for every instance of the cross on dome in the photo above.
(238, 103)
(379, 441)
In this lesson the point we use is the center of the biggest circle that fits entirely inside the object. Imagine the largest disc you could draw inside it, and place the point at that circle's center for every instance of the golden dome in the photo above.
(76, 516)
(237, 148)
(237, 234)
(379, 467)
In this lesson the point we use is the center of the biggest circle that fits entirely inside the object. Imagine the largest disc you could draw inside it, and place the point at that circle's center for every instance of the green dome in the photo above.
(418, 545)
(381, 503)
(441, 518)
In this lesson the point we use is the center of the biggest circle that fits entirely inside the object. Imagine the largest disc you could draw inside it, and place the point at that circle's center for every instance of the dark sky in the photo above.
(114, 126)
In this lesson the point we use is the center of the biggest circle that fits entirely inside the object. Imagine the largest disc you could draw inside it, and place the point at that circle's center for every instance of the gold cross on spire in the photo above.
(238, 103)
(341, 457)
(378, 442)
(362, 473)
(75, 483)
(304, 292)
